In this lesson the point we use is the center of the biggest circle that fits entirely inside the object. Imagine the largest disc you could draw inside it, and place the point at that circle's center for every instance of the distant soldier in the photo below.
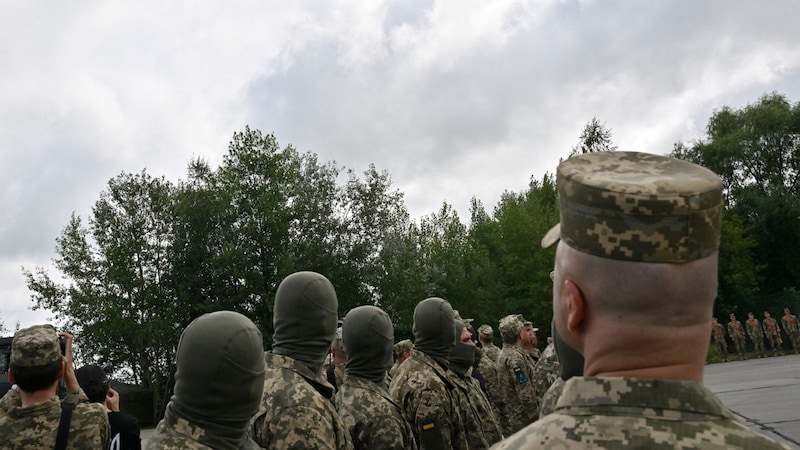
(736, 332)
(402, 350)
(485, 336)
(773, 333)
(718, 332)
(479, 420)
(372, 418)
(546, 370)
(31, 414)
(518, 403)
(296, 406)
(421, 385)
(792, 328)
(335, 372)
(756, 334)
(487, 364)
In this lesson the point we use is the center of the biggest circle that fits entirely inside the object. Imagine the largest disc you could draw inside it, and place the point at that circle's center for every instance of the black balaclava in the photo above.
(219, 377)
(368, 337)
(305, 318)
(462, 355)
(569, 360)
(434, 332)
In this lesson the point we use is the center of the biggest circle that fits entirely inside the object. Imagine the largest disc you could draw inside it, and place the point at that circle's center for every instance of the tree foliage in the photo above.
(595, 137)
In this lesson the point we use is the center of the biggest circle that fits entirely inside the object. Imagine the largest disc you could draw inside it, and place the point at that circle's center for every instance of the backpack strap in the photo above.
(63, 425)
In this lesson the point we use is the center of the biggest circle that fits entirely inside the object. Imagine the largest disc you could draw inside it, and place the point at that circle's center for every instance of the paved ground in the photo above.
(763, 393)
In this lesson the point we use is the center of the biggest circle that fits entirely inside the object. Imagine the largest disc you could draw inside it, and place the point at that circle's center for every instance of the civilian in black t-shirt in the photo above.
(124, 427)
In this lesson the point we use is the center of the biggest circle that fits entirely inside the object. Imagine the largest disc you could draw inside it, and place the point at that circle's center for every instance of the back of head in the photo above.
(36, 357)
(368, 336)
(220, 374)
(510, 327)
(305, 318)
(434, 332)
(94, 382)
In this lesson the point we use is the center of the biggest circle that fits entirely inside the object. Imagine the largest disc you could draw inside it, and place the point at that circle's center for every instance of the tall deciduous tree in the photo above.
(595, 137)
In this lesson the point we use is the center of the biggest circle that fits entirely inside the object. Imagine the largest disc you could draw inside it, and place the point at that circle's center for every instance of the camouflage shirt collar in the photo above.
(317, 380)
(363, 383)
(649, 397)
(422, 357)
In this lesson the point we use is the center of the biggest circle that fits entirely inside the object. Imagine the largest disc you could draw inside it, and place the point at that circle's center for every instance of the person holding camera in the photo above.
(124, 427)
(31, 415)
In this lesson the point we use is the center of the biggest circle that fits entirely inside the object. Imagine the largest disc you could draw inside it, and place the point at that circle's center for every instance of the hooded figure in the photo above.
(371, 417)
(218, 383)
(296, 403)
(434, 329)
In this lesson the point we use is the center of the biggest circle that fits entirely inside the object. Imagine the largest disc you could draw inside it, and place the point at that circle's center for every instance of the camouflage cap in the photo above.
(35, 346)
(637, 207)
(486, 331)
(511, 325)
(403, 346)
(457, 316)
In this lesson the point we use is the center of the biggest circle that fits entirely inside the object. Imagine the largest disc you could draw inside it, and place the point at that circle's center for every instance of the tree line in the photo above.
(154, 254)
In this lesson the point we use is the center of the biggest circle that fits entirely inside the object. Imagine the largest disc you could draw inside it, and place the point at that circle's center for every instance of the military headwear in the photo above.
(457, 316)
(637, 207)
(485, 331)
(35, 346)
(403, 346)
(511, 325)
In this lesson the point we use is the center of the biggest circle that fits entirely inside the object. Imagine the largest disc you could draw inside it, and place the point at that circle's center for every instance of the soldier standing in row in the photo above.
(756, 334)
(546, 370)
(772, 332)
(372, 418)
(718, 332)
(736, 332)
(792, 328)
(518, 402)
(402, 350)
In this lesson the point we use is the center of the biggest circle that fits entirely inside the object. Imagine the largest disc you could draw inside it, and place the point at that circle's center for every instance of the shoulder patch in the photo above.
(521, 378)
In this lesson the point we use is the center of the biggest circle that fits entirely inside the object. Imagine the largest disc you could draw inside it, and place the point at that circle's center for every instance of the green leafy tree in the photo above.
(595, 137)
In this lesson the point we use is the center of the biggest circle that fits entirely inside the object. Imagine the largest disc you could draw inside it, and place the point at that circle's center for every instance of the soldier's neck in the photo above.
(32, 398)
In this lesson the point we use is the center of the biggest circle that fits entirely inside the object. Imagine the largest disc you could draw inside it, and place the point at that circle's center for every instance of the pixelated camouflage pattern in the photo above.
(486, 331)
(371, 417)
(736, 333)
(423, 391)
(480, 422)
(772, 333)
(638, 207)
(546, 371)
(718, 332)
(176, 433)
(510, 326)
(36, 426)
(792, 329)
(491, 352)
(550, 397)
(518, 401)
(756, 335)
(402, 346)
(617, 413)
(297, 409)
(35, 346)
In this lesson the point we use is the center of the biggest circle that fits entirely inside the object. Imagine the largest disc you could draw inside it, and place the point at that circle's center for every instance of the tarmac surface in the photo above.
(762, 393)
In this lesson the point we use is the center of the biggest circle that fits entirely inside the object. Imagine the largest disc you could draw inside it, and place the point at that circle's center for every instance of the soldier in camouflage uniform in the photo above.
(756, 334)
(718, 332)
(422, 387)
(639, 239)
(297, 409)
(219, 377)
(736, 332)
(485, 336)
(792, 328)
(546, 370)
(402, 350)
(31, 411)
(370, 415)
(479, 419)
(773, 333)
(518, 401)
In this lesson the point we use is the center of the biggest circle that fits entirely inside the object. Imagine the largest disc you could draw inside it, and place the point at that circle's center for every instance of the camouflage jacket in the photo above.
(550, 397)
(546, 371)
(479, 420)
(754, 329)
(371, 417)
(518, 402)
(176, 433)
(423, 391)
(790, 324)
(612, 413)
(36, 426)
(717, 331)
(296, 409)
(491, 352)
(735, 330)
(771, 328)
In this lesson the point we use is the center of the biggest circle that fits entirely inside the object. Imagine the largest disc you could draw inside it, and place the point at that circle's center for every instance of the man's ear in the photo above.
(11, 376)
(576, 306)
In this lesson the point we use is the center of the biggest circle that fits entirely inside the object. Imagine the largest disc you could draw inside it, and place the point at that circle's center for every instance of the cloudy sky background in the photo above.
(455, 98)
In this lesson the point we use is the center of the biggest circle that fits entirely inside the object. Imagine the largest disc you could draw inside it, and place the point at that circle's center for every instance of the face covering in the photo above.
(368, 337)
(305, 318)
(434, 330)
(461, 355)
(570, 361)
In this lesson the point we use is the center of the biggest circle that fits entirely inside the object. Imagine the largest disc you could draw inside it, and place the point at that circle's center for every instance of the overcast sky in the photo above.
(454, 98)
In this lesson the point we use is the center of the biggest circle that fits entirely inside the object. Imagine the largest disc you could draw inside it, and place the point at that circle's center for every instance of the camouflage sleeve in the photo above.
(433, 419)
(383, 433)
(76, 396)
(297, 428)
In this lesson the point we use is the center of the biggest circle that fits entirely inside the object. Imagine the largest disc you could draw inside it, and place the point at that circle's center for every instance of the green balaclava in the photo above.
(305, 318)
(368, 337)
(434, 330)
(461, 355)
(569, 360)
(219, 377)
